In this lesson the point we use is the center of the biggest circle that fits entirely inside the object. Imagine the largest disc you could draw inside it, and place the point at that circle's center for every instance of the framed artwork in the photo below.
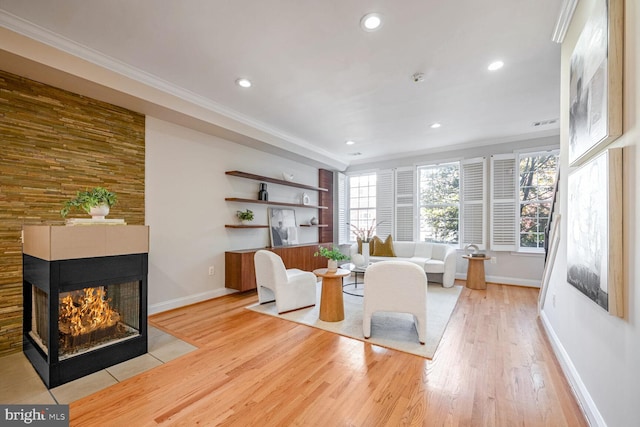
(283, 227)
(595, 81)
(594, 231)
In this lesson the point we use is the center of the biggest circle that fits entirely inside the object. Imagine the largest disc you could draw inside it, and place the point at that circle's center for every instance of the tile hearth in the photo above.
(22, 385)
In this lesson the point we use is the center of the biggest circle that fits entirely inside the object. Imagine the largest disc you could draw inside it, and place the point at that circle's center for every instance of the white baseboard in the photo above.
(506, 280)
(585, 401)
(191, 299)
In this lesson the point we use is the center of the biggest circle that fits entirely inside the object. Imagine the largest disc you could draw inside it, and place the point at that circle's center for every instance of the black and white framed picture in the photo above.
(594, 235)
(595, 81)
(283, 227)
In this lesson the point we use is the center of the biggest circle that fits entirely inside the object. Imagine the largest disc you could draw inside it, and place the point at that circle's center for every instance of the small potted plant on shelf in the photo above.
(245, 216)
(333, 255)
(95, 202)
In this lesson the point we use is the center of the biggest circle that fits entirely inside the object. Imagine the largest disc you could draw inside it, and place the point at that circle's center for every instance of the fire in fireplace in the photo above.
(87, 320)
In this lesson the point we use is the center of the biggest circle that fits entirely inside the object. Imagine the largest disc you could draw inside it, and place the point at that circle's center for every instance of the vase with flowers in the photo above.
(364, 235)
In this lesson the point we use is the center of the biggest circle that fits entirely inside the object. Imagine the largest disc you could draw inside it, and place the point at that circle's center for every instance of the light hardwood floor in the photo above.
(494, 367)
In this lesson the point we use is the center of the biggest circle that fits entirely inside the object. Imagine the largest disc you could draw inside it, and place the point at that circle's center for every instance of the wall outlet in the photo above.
(212, 270)
(494, 260)
(553, 300)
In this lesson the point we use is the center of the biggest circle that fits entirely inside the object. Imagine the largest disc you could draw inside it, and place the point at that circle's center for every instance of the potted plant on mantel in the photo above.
(95, 202)
(333, 255)
(245, 216)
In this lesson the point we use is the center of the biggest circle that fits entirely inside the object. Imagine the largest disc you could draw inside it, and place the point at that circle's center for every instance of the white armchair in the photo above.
(396, 286)
(291, 289)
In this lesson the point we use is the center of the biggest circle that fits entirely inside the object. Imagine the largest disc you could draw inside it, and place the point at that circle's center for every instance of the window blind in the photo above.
(473, 202)
(504, 220)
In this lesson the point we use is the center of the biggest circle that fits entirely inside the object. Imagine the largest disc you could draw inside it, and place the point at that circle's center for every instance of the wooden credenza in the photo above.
(240, 273)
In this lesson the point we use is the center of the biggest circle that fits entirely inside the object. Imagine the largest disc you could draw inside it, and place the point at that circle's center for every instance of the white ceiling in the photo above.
(320, 80)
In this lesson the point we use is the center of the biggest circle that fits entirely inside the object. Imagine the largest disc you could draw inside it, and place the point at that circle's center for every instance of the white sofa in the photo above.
(438, 260)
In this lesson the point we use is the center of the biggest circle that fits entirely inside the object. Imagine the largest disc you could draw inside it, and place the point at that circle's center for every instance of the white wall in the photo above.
(601, 353)
(185, 208)
(512, 268)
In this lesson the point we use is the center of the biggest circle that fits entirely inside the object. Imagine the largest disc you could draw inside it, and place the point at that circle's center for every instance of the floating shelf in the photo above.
(314, 225)
(274, 180)
(266, 202)
(245, 226)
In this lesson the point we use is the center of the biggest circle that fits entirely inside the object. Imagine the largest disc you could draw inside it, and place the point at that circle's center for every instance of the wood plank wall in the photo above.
(53, 143)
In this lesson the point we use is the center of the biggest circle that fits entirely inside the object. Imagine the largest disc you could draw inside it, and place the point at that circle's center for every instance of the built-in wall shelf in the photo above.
(273, 180)
(267, 202)
(314, 225)
(245, 226)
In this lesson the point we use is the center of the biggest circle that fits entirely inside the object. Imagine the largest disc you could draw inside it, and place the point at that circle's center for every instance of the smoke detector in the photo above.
(417, 77)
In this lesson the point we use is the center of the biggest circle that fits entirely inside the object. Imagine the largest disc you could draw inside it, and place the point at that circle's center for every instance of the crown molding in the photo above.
(564, 19)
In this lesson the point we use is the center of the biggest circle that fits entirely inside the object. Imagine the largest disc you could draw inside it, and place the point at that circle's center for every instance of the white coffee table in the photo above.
(352, 288)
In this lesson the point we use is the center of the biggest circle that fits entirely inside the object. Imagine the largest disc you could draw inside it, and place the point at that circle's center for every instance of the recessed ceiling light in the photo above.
(435, 125)
(350, 142)
(371, 22)
(242, 82)
(496, 65)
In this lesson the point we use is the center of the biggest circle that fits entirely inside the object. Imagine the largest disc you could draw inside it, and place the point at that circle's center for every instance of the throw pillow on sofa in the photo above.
(385, 248)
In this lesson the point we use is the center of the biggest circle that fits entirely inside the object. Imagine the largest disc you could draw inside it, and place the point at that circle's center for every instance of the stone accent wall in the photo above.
(53, 143)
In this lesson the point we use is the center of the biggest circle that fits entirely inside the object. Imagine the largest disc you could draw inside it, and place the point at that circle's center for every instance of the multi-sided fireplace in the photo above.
(85, 298)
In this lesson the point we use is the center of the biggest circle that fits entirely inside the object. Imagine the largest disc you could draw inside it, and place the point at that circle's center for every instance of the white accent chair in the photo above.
(290, 288)
(396, 286)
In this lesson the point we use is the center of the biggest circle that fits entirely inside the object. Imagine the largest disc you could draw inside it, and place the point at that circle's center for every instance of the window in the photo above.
(439, 202)
(362, 201)
(537, 173)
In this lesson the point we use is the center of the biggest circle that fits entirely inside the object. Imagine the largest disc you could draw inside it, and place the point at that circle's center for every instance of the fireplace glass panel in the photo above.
(95, 317)
(40, 318)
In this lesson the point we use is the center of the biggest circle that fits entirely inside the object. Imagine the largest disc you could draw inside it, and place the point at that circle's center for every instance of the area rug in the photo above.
(391, 330)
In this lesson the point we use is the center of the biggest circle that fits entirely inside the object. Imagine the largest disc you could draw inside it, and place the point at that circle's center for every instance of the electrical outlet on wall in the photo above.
(212, 271)
(494, 260)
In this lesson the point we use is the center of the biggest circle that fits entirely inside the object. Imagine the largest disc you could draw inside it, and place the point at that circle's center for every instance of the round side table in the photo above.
(331, 302)
(475, 272)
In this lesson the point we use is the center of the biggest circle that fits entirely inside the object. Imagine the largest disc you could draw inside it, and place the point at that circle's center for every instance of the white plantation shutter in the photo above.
(405, 204)
(384, 202)
(504, 216)
(343, 233)
(473, 202)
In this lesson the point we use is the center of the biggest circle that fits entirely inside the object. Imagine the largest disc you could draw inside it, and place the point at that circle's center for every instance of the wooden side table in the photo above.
(475, 272)
(331, 302)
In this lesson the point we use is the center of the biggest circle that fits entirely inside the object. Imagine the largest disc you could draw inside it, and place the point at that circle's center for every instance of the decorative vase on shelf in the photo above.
(365, 252)
(99, 212)
(332, 265)
(262, 194)
(313, 221)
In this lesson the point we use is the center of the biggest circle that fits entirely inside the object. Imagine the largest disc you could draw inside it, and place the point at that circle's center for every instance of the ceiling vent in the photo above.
(544, 123)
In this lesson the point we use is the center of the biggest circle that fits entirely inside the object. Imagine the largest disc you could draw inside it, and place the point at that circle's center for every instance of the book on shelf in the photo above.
(91, 221)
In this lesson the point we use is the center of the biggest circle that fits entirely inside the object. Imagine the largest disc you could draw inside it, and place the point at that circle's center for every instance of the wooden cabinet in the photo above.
(240, 272)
